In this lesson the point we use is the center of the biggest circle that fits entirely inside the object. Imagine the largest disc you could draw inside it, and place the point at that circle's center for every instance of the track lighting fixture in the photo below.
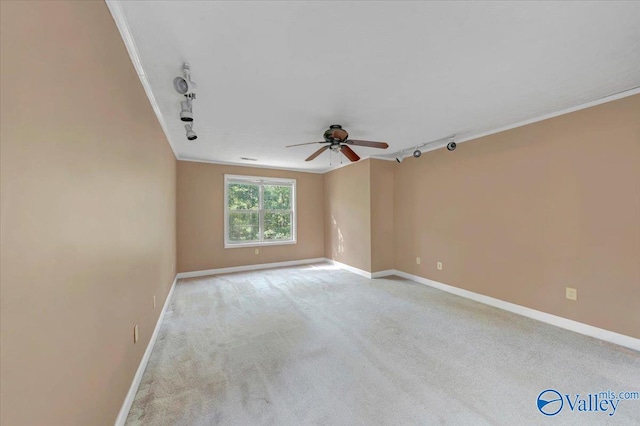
(186, 114)
(417, 153)
(191, 135)
(187, 88)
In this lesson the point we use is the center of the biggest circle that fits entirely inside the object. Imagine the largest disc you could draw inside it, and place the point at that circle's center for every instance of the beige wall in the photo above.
(347, 205)
(87, 215)
(200, 212)
(522, 214)
(359, 215)
(382, 207)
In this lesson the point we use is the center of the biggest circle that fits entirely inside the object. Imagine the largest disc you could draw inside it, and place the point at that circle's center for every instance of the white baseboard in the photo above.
(249, 268)
(567, 324)
(575, 326)
(232, 269)
(349, 268)
(131, 395)
(384, 273)
(361, 272)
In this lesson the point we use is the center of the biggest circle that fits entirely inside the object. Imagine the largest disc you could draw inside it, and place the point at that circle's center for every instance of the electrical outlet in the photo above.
(439, 266)
(135, 333)
(417, 260)
(571, 293)
(257, 251)
(154, 301)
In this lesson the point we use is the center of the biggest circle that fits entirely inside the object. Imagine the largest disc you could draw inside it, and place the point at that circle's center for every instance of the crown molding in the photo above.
(253, 166)
(471, 136)
(125, 32)
(595, 102)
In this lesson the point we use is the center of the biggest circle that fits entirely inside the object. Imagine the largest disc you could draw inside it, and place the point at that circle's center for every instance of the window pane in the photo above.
(277, 226)
(277, 197)
(243, 196)
(244, 226)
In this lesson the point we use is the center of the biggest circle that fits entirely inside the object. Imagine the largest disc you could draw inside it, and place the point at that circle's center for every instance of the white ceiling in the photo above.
(271, 74)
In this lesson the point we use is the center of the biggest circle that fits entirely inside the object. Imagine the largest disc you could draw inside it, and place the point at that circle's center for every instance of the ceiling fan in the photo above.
(338, 141)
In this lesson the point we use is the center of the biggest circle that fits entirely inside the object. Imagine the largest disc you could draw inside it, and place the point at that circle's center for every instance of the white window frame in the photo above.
(260, 181)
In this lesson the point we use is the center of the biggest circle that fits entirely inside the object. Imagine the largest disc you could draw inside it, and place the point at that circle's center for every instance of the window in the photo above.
(259, 211)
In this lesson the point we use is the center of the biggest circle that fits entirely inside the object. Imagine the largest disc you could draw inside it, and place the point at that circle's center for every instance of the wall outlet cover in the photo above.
(135, 333)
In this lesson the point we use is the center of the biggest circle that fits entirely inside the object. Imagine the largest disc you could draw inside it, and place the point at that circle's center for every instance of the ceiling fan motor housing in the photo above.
(330, 132)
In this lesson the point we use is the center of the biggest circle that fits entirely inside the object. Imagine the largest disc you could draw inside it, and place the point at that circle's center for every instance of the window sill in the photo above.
(258, 244)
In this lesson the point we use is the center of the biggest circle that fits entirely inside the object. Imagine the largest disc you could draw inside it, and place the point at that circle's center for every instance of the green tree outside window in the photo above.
(259, 212)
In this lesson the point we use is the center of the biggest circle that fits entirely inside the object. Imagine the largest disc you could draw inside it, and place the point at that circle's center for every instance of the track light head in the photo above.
(417, 153)
(186, 113)
(183, 84)
(451, 146)
(191, 135)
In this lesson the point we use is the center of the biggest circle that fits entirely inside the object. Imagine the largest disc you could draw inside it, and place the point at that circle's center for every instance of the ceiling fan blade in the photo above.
(349, 153)
(381, 145)
(299, 144)
(318, 152)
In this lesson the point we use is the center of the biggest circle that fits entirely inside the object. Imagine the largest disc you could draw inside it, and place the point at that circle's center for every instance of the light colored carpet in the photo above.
(320, 345)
